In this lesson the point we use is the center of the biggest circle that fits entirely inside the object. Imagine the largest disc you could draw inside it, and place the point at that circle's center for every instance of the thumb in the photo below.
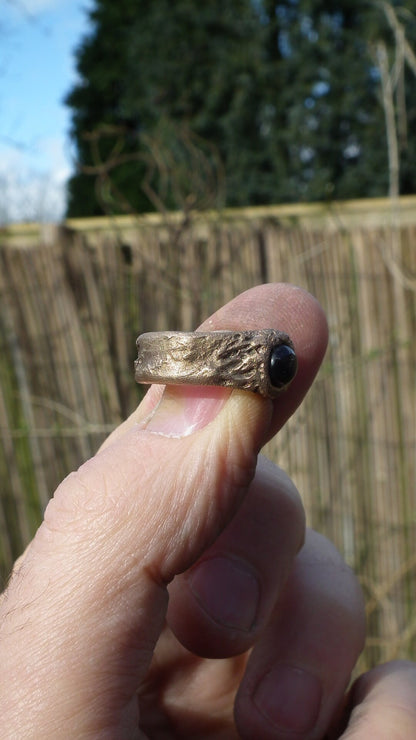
(84, 610)
(91, 590)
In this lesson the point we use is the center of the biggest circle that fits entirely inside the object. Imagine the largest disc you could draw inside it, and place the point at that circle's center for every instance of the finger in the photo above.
(382, 703)
(224, 601)
(82, 615)
(294, 311)
(298, 672)
(275, 305)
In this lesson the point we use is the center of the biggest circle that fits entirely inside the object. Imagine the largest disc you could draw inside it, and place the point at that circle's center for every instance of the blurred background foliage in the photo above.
(284, 98)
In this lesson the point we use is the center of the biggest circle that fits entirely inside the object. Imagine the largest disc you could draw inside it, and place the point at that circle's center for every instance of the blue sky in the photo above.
(37, 69)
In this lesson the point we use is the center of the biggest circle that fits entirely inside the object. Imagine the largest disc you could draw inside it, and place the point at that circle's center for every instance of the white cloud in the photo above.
(53, 151)
(29, 192)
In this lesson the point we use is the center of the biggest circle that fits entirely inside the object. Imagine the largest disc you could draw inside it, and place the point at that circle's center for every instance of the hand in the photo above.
(171, 591)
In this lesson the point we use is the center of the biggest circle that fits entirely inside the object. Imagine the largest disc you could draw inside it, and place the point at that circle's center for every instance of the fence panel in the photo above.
(72, 306)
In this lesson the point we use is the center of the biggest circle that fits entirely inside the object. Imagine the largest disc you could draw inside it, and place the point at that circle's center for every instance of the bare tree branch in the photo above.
(399, 32)
(387, 88)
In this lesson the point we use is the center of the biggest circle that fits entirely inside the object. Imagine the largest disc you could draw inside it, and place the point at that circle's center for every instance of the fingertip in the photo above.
(290, 309)
(300, 654)
(381, 702)
(283, 306)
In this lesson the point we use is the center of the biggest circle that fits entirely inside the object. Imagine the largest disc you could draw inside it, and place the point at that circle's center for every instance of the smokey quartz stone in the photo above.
(282, 365)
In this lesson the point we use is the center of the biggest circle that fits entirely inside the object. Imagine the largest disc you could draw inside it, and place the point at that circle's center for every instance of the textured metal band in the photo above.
(238, 359)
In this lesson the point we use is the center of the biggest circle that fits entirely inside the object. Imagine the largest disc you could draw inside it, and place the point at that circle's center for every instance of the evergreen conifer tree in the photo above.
(285, 94)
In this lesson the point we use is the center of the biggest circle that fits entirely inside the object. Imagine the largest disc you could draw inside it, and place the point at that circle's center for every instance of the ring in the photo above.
(262, 361)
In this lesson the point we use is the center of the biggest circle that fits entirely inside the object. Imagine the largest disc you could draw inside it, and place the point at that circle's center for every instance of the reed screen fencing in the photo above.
(73, 300)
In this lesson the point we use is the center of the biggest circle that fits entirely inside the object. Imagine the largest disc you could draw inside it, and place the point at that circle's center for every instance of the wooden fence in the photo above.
(73, 299)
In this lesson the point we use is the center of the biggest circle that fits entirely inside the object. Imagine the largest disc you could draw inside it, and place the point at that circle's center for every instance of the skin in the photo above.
(172, 590)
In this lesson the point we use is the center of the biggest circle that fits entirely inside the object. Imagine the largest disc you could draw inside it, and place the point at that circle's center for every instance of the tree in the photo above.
(177, 68)
(286, 95)
(395, 97)
(335, 130)
(95, 104)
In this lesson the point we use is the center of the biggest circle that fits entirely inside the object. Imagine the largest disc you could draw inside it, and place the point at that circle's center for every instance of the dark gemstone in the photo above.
(282, 365)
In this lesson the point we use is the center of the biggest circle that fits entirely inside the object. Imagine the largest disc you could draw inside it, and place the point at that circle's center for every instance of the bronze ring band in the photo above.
(262, 361)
